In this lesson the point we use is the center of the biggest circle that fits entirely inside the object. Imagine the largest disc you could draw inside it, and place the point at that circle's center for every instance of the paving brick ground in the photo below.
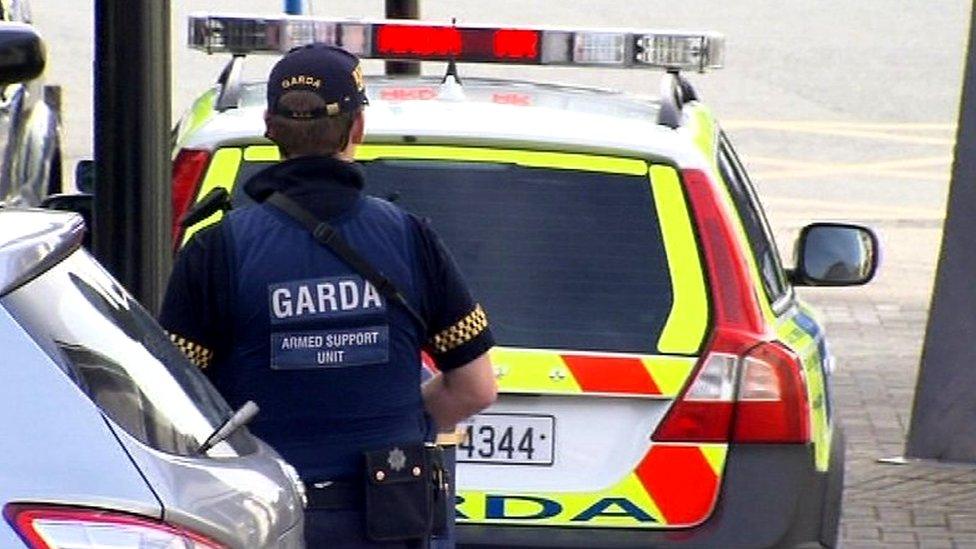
(877, 334)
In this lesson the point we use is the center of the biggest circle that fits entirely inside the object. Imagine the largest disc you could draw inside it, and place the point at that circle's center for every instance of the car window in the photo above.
(117, 354)
(754, 222)
(561, 259)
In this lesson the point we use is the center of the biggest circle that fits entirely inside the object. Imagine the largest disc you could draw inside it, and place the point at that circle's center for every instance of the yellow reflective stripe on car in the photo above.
(199, 113)
(673, 485)
(221, 172)
(704, 132)
(715, 454)
(624, 505)
(530, 159)
(202, 110)
(532, 371)
(262, 153)
(688, 320)
(795, 337)
(822, 428)
(550, 372)
(669, 372)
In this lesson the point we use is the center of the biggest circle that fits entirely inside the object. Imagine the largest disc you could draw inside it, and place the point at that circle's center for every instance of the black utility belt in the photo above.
(403, 496)
(334, 495)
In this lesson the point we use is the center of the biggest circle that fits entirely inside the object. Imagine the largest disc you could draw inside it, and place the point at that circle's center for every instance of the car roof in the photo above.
(32, 240)
(482, 112)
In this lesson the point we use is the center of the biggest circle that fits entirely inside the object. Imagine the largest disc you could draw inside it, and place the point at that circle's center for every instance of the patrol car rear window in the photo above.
(116, 353)
(560, 259)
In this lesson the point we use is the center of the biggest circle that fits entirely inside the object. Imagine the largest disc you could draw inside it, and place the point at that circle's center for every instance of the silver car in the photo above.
(30, 127)
(110, 437)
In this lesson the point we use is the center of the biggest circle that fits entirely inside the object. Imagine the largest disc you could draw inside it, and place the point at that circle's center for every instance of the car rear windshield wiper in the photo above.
(240, 418)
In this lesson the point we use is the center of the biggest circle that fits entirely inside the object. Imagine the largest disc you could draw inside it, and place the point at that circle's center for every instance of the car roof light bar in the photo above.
(425, 41)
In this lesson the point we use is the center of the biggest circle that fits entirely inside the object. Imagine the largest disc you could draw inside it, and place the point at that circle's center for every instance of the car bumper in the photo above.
(772, 496)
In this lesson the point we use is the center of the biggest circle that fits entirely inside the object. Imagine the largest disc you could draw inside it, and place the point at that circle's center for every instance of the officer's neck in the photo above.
(346, 155)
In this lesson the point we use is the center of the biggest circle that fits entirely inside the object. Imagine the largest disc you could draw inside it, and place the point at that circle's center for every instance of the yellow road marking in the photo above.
(874, 135)
(895, 169)
(934, 177)
(787, 125)
(919, 162)
(895, 132)
(774, 203)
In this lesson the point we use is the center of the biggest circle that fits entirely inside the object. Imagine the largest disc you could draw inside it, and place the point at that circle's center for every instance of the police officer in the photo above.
(274, 316)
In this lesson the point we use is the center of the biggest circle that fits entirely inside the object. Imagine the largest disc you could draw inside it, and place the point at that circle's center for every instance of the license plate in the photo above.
(514, 439)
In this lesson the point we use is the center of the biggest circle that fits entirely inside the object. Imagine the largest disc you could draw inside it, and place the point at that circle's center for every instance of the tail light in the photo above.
(188, 169)
(772, 404)
(746, 389)
(59, 527)
(704, 411)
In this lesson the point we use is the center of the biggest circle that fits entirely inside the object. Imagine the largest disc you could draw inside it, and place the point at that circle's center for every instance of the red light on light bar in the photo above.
(419, 41)
(402, 39)
(516, 44)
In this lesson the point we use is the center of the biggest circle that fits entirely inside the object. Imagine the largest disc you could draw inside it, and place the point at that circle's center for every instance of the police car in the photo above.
(661, 382)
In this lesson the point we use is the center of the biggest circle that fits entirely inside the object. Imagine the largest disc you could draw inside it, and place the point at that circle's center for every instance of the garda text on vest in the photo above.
(342, 305)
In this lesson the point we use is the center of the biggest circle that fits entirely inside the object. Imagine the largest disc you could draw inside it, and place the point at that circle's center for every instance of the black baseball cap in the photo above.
(332, 73)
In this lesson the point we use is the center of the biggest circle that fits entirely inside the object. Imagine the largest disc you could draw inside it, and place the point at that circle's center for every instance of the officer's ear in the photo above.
(358, 129)
(267, 126)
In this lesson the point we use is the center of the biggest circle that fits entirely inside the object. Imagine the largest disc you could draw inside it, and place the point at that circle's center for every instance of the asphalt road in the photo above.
(841, 110)
(824, 99)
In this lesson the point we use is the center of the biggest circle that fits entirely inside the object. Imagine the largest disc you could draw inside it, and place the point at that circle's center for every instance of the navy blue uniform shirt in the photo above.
(203, 295)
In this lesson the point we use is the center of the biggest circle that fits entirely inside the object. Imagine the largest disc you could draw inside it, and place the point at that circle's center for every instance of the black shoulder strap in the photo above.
(326, 235)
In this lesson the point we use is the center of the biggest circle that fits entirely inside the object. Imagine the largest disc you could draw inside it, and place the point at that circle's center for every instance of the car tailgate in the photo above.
(569, 444)
(57, 447)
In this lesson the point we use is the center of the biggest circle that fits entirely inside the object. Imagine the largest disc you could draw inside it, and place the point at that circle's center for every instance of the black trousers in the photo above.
(343, 529)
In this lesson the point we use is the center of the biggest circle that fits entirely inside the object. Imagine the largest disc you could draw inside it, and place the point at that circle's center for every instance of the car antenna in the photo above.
(452, 71)
(238, 419)
(231, 84)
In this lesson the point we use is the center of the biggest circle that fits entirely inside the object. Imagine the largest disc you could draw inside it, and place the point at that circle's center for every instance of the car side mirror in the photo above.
(85, 176)
(835, 254)
(81, 203)
(22, 53)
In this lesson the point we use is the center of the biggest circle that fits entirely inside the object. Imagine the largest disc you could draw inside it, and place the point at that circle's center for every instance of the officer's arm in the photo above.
(460, 393)
(191, 311)
(458, 340)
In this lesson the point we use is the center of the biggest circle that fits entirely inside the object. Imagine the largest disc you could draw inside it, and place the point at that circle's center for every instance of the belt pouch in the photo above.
(441, 489)
(399, 495)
